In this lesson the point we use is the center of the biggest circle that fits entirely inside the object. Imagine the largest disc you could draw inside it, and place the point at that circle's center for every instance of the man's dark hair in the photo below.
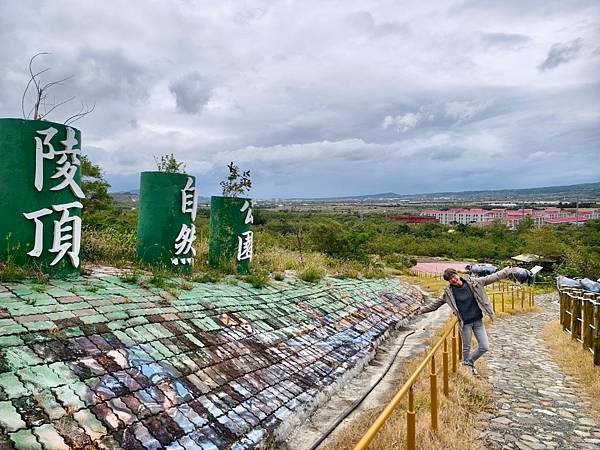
(449, 272)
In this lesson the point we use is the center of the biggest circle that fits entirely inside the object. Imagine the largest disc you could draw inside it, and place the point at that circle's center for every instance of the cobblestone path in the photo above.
(539, 407)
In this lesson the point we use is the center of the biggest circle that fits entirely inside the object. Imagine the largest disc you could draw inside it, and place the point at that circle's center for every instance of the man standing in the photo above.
(468, 300)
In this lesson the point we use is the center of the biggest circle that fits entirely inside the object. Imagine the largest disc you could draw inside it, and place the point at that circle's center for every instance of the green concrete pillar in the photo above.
(231, 239)
(166, 230)
(40, 195)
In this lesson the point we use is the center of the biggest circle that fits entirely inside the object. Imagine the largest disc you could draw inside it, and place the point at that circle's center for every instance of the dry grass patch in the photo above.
(433, 285)
(576, 362)
(458, 415)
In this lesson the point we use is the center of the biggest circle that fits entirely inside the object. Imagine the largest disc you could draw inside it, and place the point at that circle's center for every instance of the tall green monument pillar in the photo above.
(40, 195)
(166, 230)
(230, 236)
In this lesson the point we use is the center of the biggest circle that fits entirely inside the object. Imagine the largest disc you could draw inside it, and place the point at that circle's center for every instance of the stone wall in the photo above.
(101, 363)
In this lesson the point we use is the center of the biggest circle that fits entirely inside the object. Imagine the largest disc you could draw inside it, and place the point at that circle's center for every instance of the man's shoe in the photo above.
(474, 371)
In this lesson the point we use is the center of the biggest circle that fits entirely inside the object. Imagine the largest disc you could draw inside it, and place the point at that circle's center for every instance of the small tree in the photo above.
(168, 163)
(94, 186)
(236, 184)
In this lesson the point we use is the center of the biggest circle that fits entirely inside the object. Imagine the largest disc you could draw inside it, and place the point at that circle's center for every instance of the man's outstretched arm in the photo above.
(436, 304)
(500, 275)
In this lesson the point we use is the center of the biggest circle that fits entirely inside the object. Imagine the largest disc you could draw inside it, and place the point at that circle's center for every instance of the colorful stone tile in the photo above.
(50, 438)
(25, 440)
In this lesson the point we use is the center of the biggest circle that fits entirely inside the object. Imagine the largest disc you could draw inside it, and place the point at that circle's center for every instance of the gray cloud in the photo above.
(322, 98)
(505, 40)
(191, 92)
(561, 54)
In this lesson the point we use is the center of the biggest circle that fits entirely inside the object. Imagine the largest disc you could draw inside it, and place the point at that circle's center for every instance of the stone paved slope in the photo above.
(539, 406)
(99, 363)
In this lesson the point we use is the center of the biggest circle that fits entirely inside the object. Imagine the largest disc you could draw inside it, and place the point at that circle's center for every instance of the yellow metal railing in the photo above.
(506, 293)
(451, 334)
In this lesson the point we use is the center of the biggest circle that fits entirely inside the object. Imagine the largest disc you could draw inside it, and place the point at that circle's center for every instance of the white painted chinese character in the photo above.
(247, 206)
(39, 230)
(189, 199)
(183, 261)
(66, 168)
(245, 246)
(40, 155)
(185, 240)
(67, 233)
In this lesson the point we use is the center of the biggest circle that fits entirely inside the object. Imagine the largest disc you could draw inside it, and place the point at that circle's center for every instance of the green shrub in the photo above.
(207, 277)
(312, 274)
(258, 279)
(278, 276)
(131, 276)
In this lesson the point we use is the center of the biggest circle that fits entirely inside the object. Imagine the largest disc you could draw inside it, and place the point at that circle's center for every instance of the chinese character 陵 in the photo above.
(67, 164)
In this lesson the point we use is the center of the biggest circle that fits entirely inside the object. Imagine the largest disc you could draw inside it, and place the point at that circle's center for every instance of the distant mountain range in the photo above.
(585, 191)
(581, 192)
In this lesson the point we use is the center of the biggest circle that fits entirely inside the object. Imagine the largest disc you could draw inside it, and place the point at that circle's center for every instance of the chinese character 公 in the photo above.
(247, 206)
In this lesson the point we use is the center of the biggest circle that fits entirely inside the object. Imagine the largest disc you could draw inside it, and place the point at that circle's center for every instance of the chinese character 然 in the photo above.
(67, 164)
(189, 199)
(247, 207)
(67, 233)
(245, 246)
(184, 244)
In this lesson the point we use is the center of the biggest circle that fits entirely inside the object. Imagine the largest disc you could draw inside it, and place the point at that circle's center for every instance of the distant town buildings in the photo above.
(540, 217)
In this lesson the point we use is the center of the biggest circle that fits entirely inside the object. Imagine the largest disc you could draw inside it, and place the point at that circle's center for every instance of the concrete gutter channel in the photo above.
(344, 394)
(98, 361)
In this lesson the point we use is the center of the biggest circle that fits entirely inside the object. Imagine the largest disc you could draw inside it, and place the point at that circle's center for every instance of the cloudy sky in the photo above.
(322, 98)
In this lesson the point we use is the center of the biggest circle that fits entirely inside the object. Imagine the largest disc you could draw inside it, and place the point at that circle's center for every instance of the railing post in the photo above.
(587, 313)
(494, 301)
(522, 298)
(502, 300)
(445, 367)
(454, 349)
(410, 422)
(596, 344)
(574, 317)
(561, 302)
(531, 297)
(513, 298)
(434, 399)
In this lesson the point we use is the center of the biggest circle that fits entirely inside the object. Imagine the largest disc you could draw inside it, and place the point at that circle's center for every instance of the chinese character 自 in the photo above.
(189, 199)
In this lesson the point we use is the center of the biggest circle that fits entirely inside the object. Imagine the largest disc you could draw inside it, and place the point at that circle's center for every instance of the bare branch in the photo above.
(27, 88)
(42, 107)
(31, 68)
(80, 115)
(53, 83)
(56, 105)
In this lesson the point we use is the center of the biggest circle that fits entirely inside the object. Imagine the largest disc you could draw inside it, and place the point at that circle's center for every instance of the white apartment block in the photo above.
(512, 218)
